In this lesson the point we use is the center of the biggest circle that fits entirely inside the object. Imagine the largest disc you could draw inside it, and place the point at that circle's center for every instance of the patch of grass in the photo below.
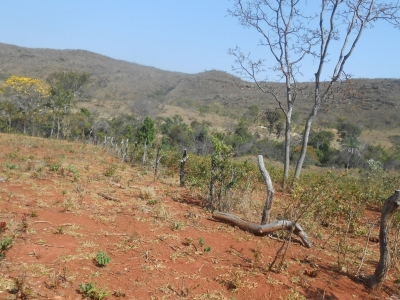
(146, 194)
(74, 172)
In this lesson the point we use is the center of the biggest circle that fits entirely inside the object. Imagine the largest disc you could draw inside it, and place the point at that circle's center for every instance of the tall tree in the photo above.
(283, 32)
(343, 21)
(290, 34)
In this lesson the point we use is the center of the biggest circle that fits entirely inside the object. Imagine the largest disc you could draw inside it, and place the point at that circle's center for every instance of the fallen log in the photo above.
(261, 230)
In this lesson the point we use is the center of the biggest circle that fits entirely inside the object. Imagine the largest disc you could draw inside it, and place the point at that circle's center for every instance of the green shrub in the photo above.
(102, 258)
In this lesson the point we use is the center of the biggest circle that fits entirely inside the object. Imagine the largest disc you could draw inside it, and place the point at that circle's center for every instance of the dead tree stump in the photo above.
(270, 192)
(389, 208)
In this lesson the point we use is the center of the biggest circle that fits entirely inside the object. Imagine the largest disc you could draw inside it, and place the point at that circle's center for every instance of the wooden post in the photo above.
(144, 152)
(157, 159)
(270, 192)
(133, 152)
(182, 172)
(388, 210)
(212, 179)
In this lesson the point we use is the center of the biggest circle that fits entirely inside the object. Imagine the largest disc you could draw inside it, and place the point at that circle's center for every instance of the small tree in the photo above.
(146, 131)
(27, 95)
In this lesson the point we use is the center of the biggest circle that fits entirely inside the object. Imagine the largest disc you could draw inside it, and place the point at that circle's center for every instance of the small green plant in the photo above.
(91, 291)
(110, 171)
(102, 258)
(74, 171)
(11, 166)
(152, 202)
(34, 214)
(177, 226)
(201, 244)
(60, 230)
(6, 243)
(54, 167)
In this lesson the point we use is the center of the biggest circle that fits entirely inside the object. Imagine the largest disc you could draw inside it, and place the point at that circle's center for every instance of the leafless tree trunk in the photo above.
(389, 208)
(270, 192)
(282, 30)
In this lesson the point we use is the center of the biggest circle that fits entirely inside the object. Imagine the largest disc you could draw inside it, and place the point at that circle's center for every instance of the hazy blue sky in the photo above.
(188, 36)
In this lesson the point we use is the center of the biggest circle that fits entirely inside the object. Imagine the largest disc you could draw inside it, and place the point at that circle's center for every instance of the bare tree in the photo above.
(284, 33)
(290, 35)
(343, 21)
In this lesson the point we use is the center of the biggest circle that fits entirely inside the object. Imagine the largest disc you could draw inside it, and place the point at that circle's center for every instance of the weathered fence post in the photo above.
(182, 171)
(144, 152)
(157, 159)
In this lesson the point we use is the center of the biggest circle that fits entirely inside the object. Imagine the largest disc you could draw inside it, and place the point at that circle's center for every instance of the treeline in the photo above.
(48, 108)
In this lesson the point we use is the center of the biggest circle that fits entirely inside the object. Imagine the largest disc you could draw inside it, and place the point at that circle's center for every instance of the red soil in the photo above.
(150, 229)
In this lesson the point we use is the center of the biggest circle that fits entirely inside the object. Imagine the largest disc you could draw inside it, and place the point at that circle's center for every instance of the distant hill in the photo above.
(124, 82)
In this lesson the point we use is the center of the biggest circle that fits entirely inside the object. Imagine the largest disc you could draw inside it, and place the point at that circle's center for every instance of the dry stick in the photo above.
(108, 197)
(346, 234)
(158, 158)
(366, 247)
(41, 222)
(116, 234)
(172, 247)
(47, 245)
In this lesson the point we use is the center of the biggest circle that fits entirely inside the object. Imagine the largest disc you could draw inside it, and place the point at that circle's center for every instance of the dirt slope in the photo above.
(63, 202)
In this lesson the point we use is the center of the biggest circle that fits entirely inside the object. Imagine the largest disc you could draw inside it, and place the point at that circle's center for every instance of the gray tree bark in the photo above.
(270, 192)
(261, 230)
(388, 210)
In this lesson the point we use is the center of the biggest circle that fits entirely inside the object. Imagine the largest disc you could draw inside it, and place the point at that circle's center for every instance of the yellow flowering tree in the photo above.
(27, 95)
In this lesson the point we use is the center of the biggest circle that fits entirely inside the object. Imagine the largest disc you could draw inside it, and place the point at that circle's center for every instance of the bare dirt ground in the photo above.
(63, 202)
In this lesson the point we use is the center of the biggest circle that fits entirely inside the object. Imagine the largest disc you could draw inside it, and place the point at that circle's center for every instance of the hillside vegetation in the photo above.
(93, 148)
(117, 83)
